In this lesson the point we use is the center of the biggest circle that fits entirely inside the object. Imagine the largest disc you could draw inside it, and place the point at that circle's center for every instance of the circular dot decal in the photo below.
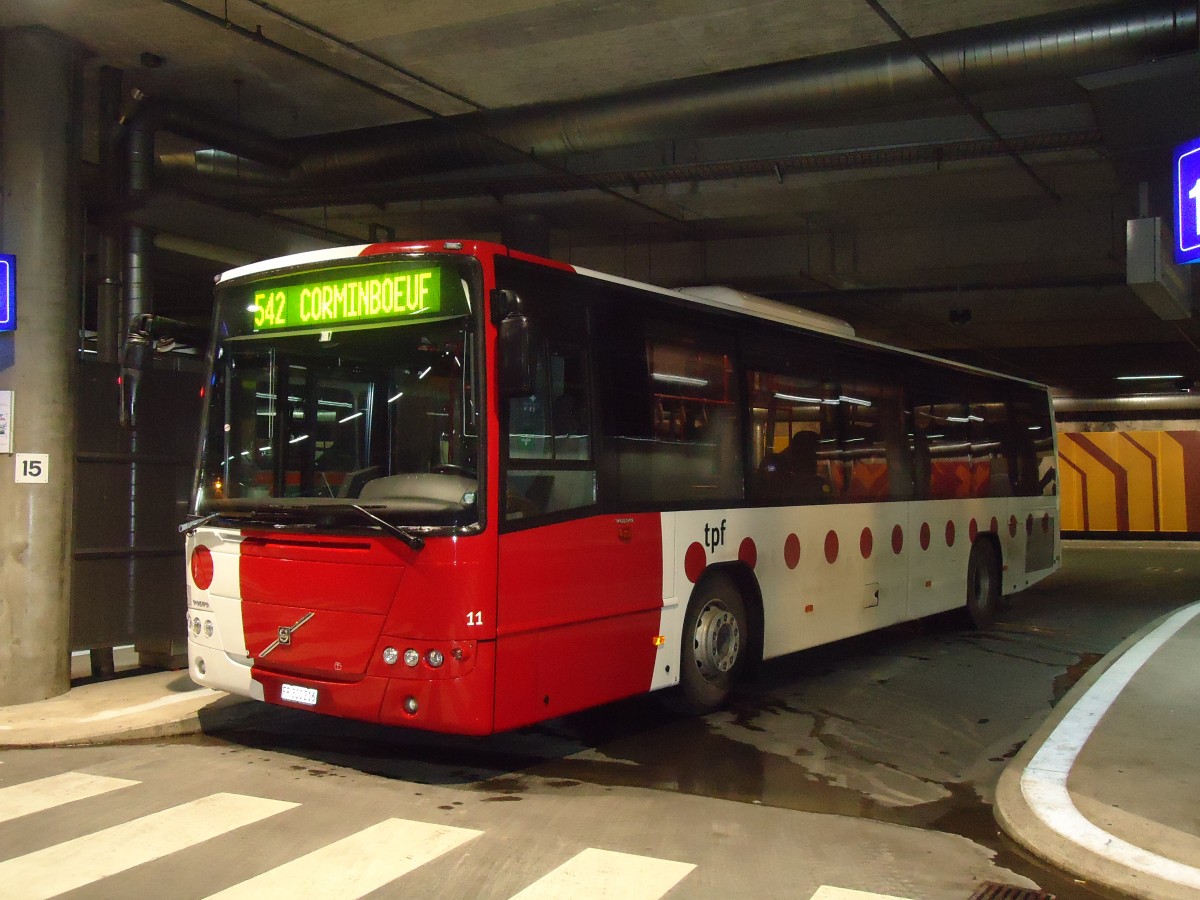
(1045, 522)
(995, 527)
(694, 562)
(831, 547)
(924, 535)
(897, 539)
(748, 552)
(791, 551)
(950, 533)
(973, 530)
(866, 543)
(1012, 526)
(1029, 524)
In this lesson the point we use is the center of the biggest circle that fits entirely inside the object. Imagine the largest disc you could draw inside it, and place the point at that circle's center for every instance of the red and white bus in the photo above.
(456, 487)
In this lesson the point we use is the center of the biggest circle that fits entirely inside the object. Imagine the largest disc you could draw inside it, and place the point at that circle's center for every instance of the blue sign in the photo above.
(8, 292)
(1187, 203)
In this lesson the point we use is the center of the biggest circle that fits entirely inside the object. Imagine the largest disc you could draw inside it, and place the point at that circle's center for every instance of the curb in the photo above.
(1022, 823)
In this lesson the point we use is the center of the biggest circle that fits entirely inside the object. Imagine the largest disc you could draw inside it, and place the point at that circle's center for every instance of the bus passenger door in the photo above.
(579, 593)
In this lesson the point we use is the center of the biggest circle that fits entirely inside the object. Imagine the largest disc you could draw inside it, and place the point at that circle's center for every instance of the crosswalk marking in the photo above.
(47, 793)
(355, 865)
(606, 873)
(63, 867)
(347, 869)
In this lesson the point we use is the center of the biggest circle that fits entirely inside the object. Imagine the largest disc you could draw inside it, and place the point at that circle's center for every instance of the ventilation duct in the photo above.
(779, 96)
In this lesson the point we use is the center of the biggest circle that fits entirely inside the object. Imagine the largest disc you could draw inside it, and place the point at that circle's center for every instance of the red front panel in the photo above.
(318, 612)
(579, 611)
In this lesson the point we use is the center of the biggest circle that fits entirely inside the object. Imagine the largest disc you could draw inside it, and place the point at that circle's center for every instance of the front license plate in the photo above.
(294, 693)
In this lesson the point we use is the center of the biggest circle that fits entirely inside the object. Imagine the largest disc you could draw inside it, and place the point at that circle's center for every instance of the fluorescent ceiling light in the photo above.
(681, 379)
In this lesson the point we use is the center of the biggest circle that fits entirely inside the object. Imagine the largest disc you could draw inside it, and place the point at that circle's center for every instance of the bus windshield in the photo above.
(342, 390)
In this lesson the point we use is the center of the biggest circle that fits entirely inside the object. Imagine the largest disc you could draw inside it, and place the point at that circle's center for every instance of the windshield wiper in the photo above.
(187, 527)
(414, 541)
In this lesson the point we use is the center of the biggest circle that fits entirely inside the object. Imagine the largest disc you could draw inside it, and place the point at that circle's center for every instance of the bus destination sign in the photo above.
(347, 301)
(1187, 203)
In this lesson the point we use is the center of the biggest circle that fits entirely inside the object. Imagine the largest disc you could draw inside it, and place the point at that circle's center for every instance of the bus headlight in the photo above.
(390, 655)
(208, 628)
(435, 658)
(411, 658)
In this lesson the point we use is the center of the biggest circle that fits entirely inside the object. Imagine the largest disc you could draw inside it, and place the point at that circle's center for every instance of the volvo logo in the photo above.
(284, 635)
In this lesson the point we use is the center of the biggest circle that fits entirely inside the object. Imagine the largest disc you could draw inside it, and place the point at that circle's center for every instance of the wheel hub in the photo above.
(717, 641)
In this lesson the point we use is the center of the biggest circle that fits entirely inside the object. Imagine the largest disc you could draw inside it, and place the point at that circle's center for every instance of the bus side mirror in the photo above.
(515, 352)
(514, 349)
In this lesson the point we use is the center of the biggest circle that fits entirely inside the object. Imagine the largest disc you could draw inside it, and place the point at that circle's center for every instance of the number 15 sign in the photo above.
(1187, 203)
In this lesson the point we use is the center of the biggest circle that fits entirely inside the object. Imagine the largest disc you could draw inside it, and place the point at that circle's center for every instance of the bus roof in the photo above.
(716, 297)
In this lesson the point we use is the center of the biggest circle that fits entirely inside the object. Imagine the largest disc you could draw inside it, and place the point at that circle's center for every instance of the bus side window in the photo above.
(553, 421)
(792, 437)
(694, 452)
(550, 465)
(1033, 437)
(872, 446)
(943, 428)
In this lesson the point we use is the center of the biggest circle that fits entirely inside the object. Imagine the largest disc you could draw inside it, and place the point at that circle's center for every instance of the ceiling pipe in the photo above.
(784, 95)
(257, 152)
(778, 96)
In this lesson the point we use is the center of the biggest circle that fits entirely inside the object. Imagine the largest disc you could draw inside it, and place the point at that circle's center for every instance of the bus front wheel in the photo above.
(983, 584)
(716, 641)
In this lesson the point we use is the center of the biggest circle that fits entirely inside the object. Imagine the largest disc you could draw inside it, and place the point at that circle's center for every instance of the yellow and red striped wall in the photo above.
(1130, 482)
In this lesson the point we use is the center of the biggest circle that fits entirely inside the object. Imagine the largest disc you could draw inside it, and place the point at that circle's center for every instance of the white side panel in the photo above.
(223, 655)
(670, 622)
(818, 566)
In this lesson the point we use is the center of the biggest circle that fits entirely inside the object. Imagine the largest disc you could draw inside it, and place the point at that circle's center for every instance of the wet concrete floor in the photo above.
(911, 725)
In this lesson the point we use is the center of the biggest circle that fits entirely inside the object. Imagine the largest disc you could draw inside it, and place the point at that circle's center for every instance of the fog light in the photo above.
(200, 664)
(411, 657)
(435, 658)
(410, 706)
(196, 626)
(390, 655)
(208, 629)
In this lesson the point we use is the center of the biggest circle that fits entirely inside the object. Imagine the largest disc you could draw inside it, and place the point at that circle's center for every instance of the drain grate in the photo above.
(990, 890)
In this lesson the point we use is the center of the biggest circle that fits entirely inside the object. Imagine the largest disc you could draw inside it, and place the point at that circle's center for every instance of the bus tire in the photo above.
(716, 644)
(983, 584)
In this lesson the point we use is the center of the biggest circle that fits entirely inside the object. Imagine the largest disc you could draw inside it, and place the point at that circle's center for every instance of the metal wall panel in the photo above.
(131, 493)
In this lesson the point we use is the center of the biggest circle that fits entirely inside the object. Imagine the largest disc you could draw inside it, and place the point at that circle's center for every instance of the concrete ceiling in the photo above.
(905, 209)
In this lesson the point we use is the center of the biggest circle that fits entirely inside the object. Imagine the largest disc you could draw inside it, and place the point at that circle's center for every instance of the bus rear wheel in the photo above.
(716, 640)
(983, 584)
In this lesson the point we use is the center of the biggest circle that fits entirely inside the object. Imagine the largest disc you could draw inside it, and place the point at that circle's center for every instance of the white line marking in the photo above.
(605, 873)
(1044, 781)
(356, 865)
(47, 793)
(825, 892)
(77, 653)
(153, 704)
(72, 864)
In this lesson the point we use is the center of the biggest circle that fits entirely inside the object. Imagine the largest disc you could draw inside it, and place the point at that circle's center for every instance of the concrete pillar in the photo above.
(40, 222)
(109, 328)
